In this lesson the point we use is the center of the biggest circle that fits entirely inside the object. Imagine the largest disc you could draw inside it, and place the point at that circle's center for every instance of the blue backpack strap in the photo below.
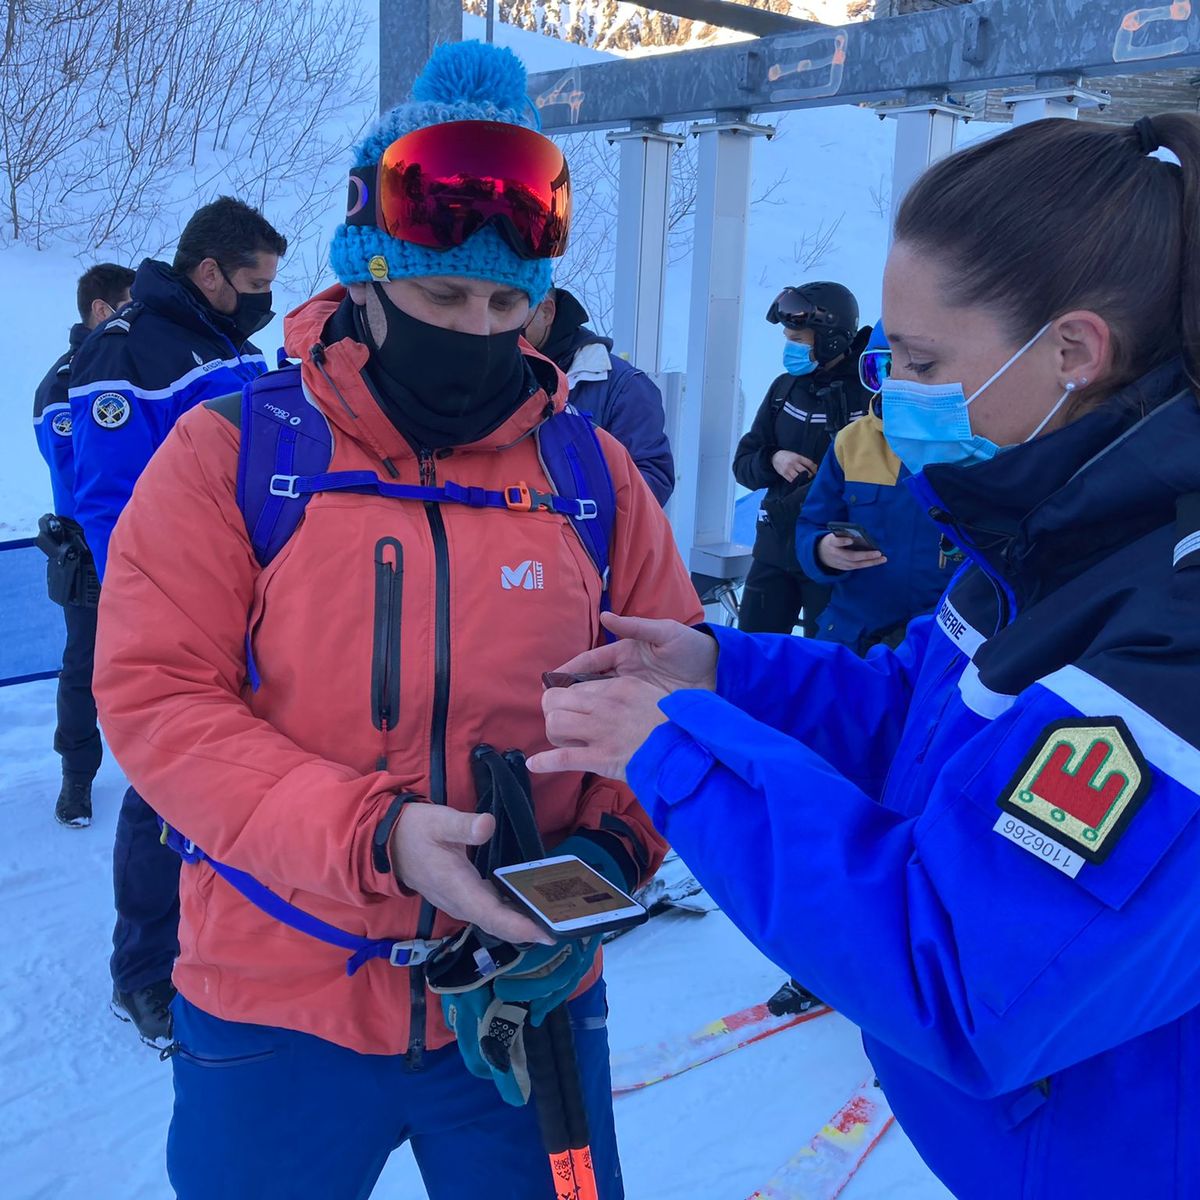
(282, 434)
(574, 463)
(410, 952)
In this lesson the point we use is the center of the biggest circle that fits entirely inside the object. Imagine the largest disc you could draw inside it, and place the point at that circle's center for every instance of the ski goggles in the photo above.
(435, 187)
(874, 366)
(794, 310)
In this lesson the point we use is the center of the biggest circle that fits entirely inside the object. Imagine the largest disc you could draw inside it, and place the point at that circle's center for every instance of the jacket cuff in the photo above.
(668, 768)
(806, 555)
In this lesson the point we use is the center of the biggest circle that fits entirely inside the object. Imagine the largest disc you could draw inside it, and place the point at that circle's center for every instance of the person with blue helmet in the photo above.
(981, 845)
(100, 292)
(184, 339)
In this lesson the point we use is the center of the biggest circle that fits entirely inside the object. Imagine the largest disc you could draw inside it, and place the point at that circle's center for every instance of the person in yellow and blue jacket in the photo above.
(875, 592)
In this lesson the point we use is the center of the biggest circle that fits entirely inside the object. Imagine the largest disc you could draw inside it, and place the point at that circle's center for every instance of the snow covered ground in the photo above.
(84, 1106)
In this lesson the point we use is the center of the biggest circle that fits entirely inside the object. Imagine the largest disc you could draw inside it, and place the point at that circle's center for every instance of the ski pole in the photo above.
(558, 1097)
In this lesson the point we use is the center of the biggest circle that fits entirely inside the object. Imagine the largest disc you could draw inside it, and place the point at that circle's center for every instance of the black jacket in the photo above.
(802, 414)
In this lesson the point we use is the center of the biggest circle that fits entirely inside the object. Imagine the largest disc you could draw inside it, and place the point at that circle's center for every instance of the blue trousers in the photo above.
(271, 1114)
(146, 896)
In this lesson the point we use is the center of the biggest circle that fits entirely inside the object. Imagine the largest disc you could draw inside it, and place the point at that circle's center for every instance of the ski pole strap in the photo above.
(409, 952)
(520, 497)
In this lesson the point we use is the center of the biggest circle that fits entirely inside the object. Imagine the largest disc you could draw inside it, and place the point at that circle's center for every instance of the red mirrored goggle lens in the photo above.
(873, 368)
(435, 187)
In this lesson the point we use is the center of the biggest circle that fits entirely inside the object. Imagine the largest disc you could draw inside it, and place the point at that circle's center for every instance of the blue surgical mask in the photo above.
(798, 359)
(930, 423)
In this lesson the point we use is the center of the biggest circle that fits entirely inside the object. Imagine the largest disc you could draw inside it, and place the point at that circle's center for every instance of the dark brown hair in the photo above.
(1060, 215)
(109, 282)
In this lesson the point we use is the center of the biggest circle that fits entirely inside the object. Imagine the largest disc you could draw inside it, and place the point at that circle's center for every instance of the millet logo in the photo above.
(529, 576)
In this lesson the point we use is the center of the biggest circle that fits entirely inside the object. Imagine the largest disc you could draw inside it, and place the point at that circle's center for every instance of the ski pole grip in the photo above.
(570, 1088)
(543, 1080)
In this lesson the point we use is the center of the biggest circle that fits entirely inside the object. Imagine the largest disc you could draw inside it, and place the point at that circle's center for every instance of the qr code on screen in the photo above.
(564, 889)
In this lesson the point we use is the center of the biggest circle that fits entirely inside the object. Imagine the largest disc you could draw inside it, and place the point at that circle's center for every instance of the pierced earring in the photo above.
(1070, 385)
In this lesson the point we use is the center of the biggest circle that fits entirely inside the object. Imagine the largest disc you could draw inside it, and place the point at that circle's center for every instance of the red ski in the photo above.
(823, 1168)
(650, 1064)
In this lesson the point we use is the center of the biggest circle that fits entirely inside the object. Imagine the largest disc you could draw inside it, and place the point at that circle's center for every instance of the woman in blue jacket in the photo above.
(1003, 813)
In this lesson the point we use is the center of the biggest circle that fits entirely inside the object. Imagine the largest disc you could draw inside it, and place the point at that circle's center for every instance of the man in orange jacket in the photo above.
(281, 716)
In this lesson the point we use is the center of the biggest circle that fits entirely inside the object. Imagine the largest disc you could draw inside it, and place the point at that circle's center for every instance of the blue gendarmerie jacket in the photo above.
(52, 424)
(627, 403)
(132, 380)
(983, 847)
(862, 482)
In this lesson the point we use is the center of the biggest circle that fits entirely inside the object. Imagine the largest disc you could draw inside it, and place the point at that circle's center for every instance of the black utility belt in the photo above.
(71, 577)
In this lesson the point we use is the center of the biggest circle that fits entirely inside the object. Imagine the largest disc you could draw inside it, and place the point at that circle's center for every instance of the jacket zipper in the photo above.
(437, 741)
(385, 657)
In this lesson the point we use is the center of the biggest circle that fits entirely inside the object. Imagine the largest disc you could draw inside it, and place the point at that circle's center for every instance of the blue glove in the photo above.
(480, 1022)
(547, 976)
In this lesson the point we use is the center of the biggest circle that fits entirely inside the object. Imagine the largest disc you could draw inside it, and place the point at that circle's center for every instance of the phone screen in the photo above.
(566, 891)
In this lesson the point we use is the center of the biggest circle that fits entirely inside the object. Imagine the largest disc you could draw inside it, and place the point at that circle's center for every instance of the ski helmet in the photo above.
(828, 309)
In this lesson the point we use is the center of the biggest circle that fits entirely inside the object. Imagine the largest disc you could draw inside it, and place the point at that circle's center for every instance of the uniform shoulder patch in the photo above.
(1081, 784)
(61, 424)
(110, 410)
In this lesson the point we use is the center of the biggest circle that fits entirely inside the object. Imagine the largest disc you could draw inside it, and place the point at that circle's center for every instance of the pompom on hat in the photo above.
(462, 81)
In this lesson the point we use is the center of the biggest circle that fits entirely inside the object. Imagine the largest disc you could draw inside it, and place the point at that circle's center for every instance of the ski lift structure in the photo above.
(914, 69)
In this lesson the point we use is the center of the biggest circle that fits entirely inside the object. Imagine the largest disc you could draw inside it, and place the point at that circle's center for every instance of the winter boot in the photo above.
(149, 1009)
(791, 1000)
(74, 804)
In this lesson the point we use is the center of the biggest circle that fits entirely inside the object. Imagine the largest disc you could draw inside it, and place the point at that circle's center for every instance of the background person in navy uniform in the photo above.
(817, 395)
(621, 399)
(183, 340)
(102, 290)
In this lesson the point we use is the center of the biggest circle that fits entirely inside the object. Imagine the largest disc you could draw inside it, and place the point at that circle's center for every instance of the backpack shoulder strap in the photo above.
(574, 463)
(282, 434)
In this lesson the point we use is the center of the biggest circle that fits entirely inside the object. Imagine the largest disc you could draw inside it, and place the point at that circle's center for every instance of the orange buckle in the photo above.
(518, 498)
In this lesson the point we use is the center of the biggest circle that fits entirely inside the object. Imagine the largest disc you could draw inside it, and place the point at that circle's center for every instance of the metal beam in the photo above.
(987, 44)
(724, 15)
(643, 219)
(408, 32)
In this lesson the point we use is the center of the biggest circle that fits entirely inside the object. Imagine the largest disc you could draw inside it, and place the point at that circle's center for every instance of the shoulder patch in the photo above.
(1081, 784)
(110, 410)
(61, 423)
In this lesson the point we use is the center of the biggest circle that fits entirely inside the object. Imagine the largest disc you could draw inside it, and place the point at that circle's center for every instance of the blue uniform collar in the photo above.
(1047, 508)
(164, 291)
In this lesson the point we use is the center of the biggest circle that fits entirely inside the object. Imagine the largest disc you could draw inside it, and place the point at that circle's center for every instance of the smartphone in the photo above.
(567, 898)
(564, 679)
(862, 540)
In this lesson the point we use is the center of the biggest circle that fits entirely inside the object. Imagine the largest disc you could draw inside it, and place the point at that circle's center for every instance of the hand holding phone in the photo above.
(567, 898)
(860, 539)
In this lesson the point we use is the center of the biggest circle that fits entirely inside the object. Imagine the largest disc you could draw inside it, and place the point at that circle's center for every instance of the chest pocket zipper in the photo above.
(385, 654)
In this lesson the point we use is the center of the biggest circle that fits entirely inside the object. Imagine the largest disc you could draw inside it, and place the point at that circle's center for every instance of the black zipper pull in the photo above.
(428, 469)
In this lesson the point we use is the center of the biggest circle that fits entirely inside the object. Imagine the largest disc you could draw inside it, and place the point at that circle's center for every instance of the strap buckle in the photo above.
(520, 497)
(586, 510)
(416, 950)
(285, 485)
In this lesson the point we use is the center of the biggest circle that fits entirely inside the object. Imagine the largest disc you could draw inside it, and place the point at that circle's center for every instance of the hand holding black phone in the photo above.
(860, 538)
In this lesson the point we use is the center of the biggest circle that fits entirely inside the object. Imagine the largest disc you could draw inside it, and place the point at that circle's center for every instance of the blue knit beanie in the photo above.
(462, 81)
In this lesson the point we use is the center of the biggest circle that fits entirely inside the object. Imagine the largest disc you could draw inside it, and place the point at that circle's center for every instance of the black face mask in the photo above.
(440, 387)
(253, 310)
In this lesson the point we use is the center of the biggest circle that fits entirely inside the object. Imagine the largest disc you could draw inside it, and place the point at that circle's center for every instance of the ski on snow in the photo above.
(647, 1065)
(822, 1169)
